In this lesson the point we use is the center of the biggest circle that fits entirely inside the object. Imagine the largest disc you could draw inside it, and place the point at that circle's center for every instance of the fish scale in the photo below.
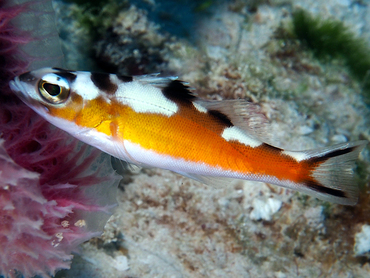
(158, 122)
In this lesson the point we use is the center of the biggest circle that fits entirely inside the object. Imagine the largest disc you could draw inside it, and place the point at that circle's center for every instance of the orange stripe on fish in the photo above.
(155, 121)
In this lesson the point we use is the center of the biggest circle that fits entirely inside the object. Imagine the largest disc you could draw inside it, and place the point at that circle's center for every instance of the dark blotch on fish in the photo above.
(103, 82)
(178, 92)
(221, 117)
(125, 78)
(271, 148)
(27, 77)
(67, 74)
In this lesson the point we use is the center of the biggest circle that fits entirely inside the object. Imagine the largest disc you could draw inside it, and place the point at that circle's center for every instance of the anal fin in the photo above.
(218, 182)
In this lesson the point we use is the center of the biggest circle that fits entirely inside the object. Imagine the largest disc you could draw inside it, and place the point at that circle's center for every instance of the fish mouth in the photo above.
(17, 87)
(20, 89)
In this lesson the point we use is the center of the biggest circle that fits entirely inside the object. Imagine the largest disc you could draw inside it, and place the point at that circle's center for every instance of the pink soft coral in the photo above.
(44, 203)
(24, 242)
(49, 183)
(11, 62)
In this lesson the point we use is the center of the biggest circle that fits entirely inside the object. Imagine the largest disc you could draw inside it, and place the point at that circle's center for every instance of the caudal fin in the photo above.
(331, 176)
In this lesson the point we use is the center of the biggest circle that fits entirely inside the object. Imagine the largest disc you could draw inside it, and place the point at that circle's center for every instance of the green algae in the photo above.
(97, 16)
(204, 5)
(362, 175)
(331, 39)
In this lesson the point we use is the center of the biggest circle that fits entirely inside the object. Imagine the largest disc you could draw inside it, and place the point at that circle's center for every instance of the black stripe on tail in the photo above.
(331, 176)
(316, 186)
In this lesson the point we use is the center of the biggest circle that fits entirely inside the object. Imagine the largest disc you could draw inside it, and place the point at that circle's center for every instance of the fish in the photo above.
(153, 121)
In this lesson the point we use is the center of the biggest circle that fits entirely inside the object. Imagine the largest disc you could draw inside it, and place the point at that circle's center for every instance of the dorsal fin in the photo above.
(154, 80)
(243, 114)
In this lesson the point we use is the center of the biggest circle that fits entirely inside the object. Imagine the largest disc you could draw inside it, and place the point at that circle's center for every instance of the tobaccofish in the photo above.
(157, 121)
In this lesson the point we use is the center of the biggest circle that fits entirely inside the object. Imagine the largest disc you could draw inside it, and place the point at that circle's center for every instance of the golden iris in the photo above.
(54, 92)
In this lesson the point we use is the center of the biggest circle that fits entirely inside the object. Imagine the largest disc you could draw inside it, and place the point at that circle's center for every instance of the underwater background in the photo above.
(305, 63)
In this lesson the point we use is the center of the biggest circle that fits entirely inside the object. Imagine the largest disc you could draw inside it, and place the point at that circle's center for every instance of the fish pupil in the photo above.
(52, 89)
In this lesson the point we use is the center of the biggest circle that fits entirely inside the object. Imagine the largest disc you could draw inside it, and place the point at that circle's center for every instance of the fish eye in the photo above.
(54, 88)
